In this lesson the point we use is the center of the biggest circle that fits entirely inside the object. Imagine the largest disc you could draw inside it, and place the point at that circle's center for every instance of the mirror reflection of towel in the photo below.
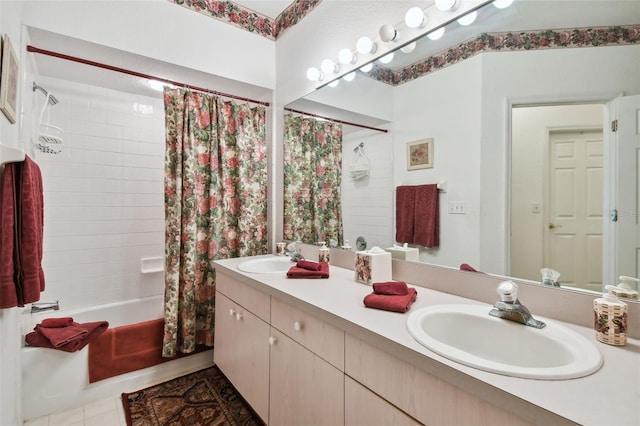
(418, 215)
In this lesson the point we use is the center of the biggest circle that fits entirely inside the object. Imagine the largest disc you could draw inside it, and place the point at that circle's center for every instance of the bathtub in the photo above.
(55, 381)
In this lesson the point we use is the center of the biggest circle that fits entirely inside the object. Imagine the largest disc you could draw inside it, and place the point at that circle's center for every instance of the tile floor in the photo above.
(105, 412)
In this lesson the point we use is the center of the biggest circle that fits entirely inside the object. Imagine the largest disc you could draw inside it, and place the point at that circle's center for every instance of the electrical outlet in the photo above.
(457, 207)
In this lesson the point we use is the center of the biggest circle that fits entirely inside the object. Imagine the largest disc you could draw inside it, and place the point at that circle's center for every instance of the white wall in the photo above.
(104, 195)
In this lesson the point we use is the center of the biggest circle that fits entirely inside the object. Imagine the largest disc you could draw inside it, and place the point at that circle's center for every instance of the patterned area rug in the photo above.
(202, 398)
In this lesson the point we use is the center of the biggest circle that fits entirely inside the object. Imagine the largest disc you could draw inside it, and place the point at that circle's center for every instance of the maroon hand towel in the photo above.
(60, 336)
(469, 268)
(8, 294)
(397, 288)
(391, 303)
(405, 213)
(56, 322)
(309, 265)
(427, 216)
(296, 272)
(94, 329)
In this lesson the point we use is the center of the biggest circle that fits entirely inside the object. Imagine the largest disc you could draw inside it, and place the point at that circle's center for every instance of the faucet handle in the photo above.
(508, 291)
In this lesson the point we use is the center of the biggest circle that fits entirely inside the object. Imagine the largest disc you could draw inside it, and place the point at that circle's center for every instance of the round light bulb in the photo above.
(350, 76)
(334, 83)
(414, 18)
(314, 74)
(501, 4)
(328, 66)
(468, 19)
(366, 68)
(346, 56)
(386, 58)
(364, 45)
(435, 35)
(388, 33)
(409, 47)
(445, 4)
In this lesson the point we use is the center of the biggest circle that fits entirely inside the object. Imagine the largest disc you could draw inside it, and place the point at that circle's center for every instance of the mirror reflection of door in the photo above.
(556, 193)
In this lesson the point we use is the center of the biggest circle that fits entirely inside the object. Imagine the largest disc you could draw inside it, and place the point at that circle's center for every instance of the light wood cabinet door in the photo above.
(363, 407)
(241, 352)
(304, 389)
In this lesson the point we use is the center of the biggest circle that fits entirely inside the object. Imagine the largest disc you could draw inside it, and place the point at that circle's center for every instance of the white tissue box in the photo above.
(373, 267)
(411, 254)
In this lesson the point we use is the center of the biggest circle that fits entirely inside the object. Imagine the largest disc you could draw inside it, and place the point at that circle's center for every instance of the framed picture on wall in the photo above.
(420, 154)
(8, 80)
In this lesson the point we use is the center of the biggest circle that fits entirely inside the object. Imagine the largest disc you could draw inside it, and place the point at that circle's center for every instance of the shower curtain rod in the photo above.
(335, 120)
(34, 49)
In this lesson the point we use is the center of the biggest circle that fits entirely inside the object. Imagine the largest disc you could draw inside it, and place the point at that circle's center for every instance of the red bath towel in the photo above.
(309, 265)
(60, 336)
(391, 303)
(392, 288)
(94, 329)
(56, 322)
(426, 230)
(405, 213)
(296, 272)
(22, 223)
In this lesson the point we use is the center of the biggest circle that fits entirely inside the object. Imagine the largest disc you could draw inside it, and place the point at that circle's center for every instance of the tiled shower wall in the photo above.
(104, 203)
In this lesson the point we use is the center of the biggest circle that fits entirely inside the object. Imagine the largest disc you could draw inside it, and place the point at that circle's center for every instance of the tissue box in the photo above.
(401, 253)
(373, 267)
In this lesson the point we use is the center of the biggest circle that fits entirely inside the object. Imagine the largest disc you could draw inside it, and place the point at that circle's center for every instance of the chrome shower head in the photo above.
(52, 99)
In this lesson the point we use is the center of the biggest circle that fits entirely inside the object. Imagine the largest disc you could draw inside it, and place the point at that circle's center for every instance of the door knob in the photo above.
(552, 225)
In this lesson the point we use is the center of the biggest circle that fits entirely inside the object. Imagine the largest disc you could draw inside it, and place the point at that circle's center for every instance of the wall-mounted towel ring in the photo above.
(359, 167)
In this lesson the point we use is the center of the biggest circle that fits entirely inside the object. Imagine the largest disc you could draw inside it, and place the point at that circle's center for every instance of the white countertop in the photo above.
(609, 397)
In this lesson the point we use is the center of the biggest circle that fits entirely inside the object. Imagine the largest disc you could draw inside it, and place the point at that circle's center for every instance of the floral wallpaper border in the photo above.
(249, 20)
(511, 41)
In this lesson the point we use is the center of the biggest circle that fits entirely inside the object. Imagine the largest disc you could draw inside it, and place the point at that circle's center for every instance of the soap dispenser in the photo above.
(610, 319)
(623, 289)
(323, 253)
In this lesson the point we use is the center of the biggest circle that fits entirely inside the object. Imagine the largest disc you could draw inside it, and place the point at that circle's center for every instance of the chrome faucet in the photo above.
(509, 307)
(293, 253)
(45, 306)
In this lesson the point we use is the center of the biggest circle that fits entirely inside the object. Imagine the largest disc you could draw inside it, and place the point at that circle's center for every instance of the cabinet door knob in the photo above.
(297, 326)
(232, 312)
(272, 340)
(238, 316)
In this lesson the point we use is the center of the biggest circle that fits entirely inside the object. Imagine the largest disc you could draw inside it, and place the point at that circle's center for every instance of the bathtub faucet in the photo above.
(45, 306)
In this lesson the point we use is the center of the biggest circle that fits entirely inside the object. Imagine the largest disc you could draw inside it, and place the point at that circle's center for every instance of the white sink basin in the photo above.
(266, 265)
(469, 335)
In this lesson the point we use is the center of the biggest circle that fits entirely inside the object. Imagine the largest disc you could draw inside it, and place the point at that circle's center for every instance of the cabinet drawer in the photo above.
(321, 338)
(249, 298)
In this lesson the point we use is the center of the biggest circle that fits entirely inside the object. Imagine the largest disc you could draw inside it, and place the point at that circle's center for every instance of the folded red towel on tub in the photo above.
(94, 329)
(56, 322)
(397, 288)
(395, 303)
(297, 272)
(60, 336)
(308, 264)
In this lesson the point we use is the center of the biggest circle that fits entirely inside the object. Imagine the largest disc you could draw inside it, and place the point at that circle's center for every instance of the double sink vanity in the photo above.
(307, 351)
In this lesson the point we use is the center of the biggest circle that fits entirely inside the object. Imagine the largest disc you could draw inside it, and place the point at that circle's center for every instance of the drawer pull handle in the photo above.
(297, 326)
(238, 316)
(272, 340)
(232, 312)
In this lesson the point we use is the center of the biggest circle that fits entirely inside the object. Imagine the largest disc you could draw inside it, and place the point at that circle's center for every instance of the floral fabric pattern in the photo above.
(526, 40)
(249, 20)
(312, 181)
(215, 205)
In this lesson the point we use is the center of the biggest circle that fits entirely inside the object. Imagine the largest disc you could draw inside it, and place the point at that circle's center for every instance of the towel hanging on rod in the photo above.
(359, 167)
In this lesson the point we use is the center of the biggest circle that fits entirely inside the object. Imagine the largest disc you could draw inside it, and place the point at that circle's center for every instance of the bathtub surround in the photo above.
(215, 205)
(21, 234)
(312, 180)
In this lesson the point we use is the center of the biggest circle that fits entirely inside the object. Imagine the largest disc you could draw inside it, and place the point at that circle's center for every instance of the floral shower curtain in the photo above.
(215, 205)
(312, 180)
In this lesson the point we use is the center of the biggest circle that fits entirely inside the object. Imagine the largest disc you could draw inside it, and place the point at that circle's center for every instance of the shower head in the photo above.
(52, 99)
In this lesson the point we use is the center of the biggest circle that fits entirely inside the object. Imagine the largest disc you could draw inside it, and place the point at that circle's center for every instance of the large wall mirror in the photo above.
(499, 109)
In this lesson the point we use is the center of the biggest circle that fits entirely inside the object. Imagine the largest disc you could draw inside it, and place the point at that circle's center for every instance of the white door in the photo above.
(624, 133)
(574, 240)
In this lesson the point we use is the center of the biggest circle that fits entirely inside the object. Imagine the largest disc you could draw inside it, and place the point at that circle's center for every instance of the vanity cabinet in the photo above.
(241, 348)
